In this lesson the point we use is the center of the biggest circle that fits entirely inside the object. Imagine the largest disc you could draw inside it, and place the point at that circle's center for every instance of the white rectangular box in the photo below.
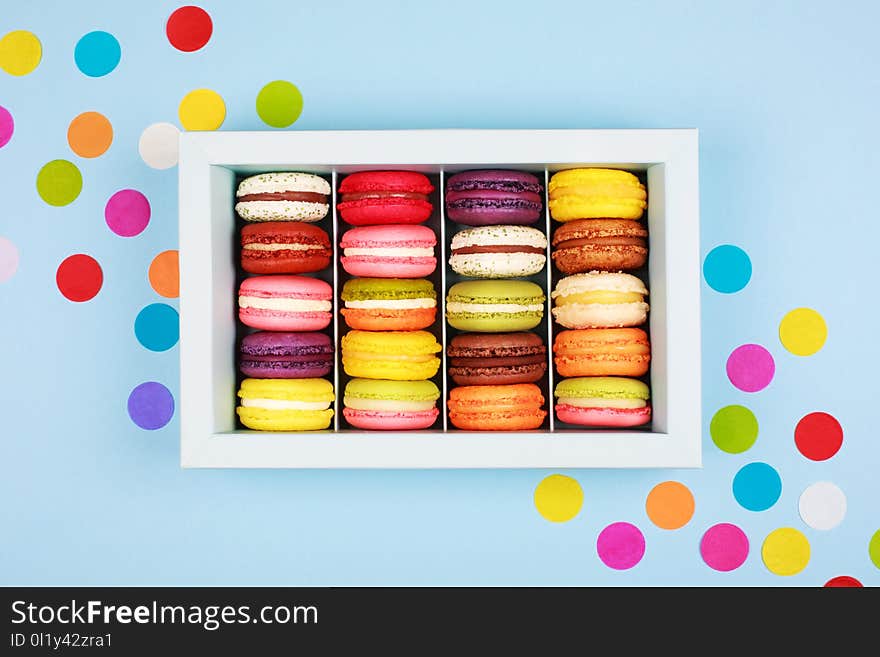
(210, 163)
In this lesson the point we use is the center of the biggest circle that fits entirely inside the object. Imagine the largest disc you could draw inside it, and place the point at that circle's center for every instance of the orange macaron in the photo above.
(602, 352)
(512, 407)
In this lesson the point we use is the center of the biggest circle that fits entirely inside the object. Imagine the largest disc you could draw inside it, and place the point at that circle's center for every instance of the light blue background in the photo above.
(785, 95)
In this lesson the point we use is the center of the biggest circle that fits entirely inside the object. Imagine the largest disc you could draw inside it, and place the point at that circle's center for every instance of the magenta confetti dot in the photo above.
(750, 367)
(724, 547)
(127, 212)
(621, 545)
(7, 126)
(151, 405)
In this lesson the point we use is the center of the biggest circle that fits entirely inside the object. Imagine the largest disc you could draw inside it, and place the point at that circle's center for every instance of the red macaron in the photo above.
(385, 197)
(284, 247)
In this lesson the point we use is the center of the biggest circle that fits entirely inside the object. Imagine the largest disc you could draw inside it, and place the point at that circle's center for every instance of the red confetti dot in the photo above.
(818, 436)
(79, 277)
(843, 582)
(189, 28)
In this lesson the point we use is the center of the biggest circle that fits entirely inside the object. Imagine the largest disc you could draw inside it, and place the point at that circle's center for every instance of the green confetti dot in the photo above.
(874, 548)
(59, 182)
(279, 103)
(734, 429)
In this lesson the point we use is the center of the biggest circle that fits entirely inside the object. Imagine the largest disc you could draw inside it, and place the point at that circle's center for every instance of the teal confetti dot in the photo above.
(97, 54)
(727, 269)
(757, 486)
(157, 327)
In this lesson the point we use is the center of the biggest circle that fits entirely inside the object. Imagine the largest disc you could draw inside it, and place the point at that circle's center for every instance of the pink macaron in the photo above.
(394, 251)
(285, 303)
(603, 417)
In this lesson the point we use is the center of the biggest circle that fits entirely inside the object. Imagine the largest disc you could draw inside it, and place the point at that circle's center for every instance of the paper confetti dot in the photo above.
(670, 505)
(874, 549)
(202, 109)
(189, 28)
(151, 405)
(734, 429)
(279, 103)
(7, 126)
(724, 547)
(8, 259)
(803, 331)
(757, 486)
(127, 212)
(559, 498)
(97, 54)
(158, 145)
(164, 274)
(59, 182)
(20, 52)
(727, 269)
(822, 505)
(157, 327)
(786, 551)
(818, 436)
(843, 582)
(621, 545)
(79, 277)
(750, 367)
(90, 134)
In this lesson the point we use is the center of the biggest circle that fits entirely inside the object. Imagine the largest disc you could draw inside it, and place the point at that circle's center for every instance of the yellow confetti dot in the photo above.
(803, 331)
(559, 498)
(786, 551)
(20, 52)
(202, 109)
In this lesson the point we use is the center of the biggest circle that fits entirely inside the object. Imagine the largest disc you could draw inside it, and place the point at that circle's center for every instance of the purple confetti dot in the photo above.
(151, 405)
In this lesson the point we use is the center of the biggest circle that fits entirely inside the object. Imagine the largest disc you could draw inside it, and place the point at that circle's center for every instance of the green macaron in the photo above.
(495, 306)
(601, 387)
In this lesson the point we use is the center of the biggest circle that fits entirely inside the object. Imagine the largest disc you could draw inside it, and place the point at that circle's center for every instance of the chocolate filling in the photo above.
(496, 249)
(602, 241)
(357, 196)
(309, 197)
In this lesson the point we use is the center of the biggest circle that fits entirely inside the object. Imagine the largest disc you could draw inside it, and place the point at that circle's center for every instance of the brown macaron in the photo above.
(479, 359)
(599, 244)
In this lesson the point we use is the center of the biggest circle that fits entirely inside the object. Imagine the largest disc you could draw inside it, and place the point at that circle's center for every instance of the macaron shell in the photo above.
(603, 417)
(601, 315)
(495, 322)
(281, 210)
(261, 419)
(483, 376)
(384, 319)
(497, 265)
(384, 267)
(395, 370)
(390, 420)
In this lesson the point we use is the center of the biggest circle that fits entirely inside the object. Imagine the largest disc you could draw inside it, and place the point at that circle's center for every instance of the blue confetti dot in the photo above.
(97, 53)
(157, 327)
(757, 486)
(727, 269)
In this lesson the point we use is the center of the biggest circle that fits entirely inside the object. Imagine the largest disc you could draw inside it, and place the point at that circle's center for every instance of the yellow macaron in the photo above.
(596, 193)
(394, 355)
(286, 404)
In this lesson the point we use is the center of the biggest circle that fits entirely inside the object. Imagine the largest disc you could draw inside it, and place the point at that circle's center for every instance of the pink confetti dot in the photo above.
(750, 367)
(127, 213)
(621, 545)
(724, 547)
(7, 126)
(8, 259)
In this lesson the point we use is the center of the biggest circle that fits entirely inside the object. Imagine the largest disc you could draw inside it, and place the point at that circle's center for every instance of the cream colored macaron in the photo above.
(600, 300)
(283, 196)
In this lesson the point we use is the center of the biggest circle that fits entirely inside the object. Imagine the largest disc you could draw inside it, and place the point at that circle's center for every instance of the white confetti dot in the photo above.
(822, 505)
(158, 145)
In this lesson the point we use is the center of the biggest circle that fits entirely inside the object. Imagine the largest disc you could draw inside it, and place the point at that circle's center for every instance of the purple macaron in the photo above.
(282, 355)
(494, 196)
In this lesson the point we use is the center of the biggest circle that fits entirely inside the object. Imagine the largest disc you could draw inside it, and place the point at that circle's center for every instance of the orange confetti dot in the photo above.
(670, 505)
(90, 134)
(165, 274)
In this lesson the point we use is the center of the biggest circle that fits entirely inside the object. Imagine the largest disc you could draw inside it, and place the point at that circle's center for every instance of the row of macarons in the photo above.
(473, 198)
